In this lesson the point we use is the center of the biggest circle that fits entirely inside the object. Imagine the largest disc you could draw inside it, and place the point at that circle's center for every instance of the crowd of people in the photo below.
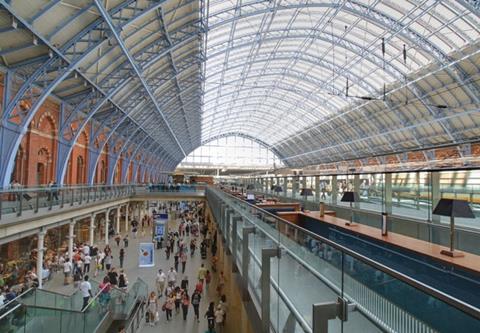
(176, 292)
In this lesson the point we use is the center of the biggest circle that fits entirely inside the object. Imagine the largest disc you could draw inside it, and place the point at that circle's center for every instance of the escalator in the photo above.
(41, 311)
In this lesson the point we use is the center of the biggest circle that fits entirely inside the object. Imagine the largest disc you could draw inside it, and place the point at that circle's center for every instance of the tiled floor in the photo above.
(148, 275)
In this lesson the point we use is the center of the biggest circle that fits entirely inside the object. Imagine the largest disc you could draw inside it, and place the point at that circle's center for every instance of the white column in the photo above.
(41, 238)
(71, 236)
(126, 217)
(118, 220)
(139, 211)
(106, 226)
(92, 228)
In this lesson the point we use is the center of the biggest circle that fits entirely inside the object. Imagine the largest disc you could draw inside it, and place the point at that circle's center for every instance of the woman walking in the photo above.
(185, 305)
(178, 299)
(169, 305)
(196, 297)
(152, 308)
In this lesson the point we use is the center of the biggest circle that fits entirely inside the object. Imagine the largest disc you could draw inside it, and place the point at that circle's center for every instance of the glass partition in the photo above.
(462, 185)
(409, 194)
(311, 269)
(371, 191)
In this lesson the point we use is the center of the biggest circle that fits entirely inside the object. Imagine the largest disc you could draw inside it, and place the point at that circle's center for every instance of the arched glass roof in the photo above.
(278, 71)
(162, 77)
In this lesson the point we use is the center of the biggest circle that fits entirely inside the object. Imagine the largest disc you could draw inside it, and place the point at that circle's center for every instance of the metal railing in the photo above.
(16, 202)
(333, 271)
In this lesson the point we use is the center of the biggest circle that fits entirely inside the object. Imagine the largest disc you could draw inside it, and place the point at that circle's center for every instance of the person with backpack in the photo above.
(210, 315)
(195, 300)
(122, 281)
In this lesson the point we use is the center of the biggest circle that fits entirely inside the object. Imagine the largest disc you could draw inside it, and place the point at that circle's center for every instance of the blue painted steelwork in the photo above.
(108, 20)
(13, 133)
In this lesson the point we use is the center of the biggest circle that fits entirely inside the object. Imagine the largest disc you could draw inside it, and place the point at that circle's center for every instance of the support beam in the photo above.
(117, 228)
(127, 207)
(136, 68)
(235, 221)
(107, 213)
(92, 229)
(71, 237)
(267, 254)
(40, 250)
(246, 231)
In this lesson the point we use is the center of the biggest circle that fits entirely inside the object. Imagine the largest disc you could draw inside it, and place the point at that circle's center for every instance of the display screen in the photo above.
(250, 196)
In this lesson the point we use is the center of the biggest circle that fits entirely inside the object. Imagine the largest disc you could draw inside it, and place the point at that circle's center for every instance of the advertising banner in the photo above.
(145, 255)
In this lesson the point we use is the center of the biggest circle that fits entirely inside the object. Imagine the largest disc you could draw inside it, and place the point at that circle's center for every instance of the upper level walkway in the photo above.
(286, 269)
(26, 211)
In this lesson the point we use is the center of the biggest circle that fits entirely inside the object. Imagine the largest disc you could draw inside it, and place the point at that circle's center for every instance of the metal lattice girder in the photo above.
(64, 61)
(137, 70)
(315, 61)
(229, 15)
(90, 99)
(437, 115)
(367, 138)
(142, 145)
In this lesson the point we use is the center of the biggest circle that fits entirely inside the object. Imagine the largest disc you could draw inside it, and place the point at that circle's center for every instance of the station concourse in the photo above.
(239, 166)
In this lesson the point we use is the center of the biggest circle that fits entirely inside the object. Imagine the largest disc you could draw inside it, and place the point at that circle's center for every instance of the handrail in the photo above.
(90, 302)
(315, 273)
(134, 316)
(406, 218)
(303, 323)
(10, 311)
(460, 305)
(47, 188)
(4, 305)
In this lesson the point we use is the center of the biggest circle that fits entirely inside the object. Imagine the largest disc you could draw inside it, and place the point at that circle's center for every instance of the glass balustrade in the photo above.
(411, 195)
(42, 311)
(311, 270)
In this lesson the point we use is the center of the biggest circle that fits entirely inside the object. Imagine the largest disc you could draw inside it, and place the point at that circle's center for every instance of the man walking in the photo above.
(160, 282)
(86, 289)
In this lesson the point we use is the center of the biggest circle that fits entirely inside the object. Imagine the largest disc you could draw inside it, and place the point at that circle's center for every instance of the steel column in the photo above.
(92, 229)
(235, 220)
(267, 254)
(246, 231)
(40, 250)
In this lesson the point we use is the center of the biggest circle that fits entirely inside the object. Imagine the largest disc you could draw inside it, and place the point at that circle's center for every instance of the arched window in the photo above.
(103, 172)
(80, 170)
(42, 167)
